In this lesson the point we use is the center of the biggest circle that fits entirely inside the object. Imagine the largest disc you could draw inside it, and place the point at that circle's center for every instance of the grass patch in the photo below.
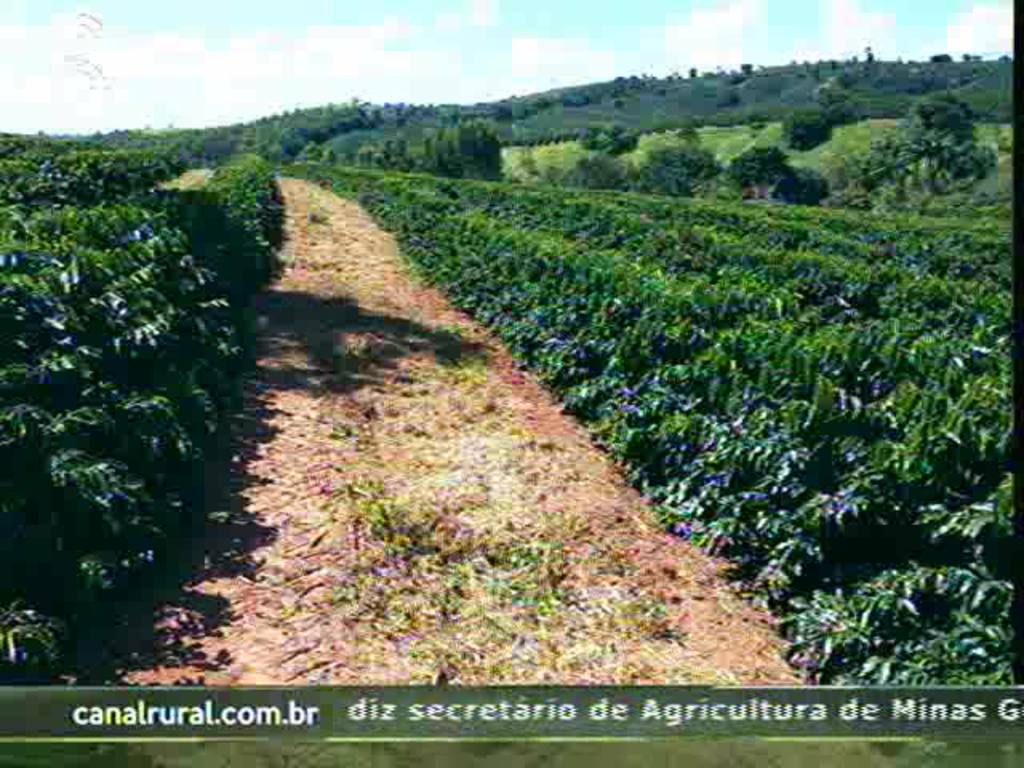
(726, 142)
(466, 370)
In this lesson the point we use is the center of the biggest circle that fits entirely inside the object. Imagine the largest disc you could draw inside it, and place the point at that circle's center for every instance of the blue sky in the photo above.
(192, 63)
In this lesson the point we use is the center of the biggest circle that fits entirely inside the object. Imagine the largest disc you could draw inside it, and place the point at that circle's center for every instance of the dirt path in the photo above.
(432, 514)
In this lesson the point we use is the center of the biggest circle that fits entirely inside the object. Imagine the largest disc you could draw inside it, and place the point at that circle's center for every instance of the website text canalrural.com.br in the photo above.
(141, 714)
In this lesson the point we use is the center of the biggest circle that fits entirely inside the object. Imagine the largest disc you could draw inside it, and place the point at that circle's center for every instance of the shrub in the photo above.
(677, 170)
(802, 186)
(86, 177)
(759, 165)
(598, 171)
(119, 353)
(806, 130)
(613, 141)
(942, 114)
(728, 97)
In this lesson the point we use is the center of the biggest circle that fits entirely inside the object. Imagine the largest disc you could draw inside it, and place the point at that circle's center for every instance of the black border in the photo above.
(1017, 555)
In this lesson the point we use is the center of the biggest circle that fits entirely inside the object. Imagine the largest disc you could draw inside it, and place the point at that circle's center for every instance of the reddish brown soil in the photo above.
(427, 512)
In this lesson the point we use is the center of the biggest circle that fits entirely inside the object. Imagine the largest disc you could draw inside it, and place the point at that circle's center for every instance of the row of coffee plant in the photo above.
(84, 177)
(849, 286)
(119, 356)
(832, 416)
(940, 247)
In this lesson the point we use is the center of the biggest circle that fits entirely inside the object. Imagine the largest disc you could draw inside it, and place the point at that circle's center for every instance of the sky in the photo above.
(116, 64)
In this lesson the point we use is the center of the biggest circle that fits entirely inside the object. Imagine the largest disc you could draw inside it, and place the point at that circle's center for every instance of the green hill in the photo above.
(875, 89)
(878, 89)
(726, 142)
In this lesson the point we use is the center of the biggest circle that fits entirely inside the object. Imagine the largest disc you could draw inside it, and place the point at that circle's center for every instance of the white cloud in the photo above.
(483, 13)
(981, 29)
(846, 30)
(851, 28)
(712, 37)
(193, 80)
(545, 62)
(475, 14)
(448, 21)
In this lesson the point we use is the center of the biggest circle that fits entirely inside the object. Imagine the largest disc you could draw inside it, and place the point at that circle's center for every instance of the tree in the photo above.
(598, 171)
(836, 106)
(941, 58)
(801, 186)
(759, 165)
(528, 162)
(677, 170)
(687, 131)
(471, 149)
(936, 150)
(693, 72)
(552, 174)
(942, 114)
(728, 98)
(480, 145)
(366, 155)
(747, 69)
(888, 162)
(806, 129)
(869, 55)
(614, 140)
(940, 137)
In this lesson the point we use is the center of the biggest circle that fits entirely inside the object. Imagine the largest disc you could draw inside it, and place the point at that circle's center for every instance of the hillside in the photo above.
(876, 89)
(879, 89)
(726, 142)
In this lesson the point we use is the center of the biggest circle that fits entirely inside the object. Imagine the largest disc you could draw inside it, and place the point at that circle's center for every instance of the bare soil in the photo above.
(408, 506)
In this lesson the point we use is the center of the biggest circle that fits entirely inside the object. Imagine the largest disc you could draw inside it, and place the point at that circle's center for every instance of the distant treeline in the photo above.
(470, 150)
(638, 103)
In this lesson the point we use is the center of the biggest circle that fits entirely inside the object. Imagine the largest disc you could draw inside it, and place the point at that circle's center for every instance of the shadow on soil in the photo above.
(323, 345)
(341, 347)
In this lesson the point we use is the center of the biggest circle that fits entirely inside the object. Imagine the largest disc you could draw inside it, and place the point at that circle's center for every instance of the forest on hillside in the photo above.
(872, 88)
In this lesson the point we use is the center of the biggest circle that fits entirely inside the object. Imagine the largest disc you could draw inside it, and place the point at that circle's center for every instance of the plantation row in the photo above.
(87, 177)
(946, 248)
(750, 271)
(119, 351)
(832, 415)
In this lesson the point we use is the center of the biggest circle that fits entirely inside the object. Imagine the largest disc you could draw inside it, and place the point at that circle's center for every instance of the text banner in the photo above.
(510, 712)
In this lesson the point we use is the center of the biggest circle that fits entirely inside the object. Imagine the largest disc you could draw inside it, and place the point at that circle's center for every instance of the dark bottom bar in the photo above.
(692, 754)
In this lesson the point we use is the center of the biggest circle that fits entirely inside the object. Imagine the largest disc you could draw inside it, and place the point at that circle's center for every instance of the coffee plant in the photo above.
(823, 397)
(120, 348)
